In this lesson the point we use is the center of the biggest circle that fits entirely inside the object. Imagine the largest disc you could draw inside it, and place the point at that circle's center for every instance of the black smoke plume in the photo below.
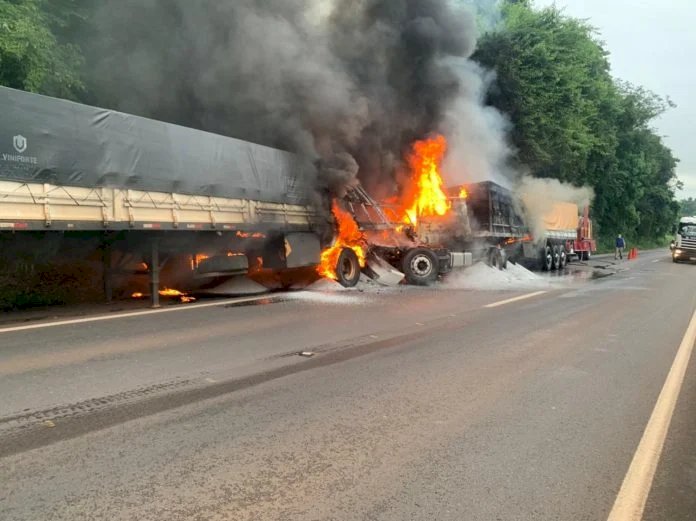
(350, 84)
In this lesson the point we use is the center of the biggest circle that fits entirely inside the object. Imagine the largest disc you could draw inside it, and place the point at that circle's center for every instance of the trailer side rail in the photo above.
(46, 206)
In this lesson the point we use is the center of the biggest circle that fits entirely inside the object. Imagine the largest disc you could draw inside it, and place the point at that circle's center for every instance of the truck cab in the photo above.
(685, 240)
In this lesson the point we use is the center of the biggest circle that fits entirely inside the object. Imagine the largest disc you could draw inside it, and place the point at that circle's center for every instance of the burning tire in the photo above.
(348, 268)
(421, 267)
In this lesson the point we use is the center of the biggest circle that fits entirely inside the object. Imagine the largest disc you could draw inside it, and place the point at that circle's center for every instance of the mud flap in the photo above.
(382, 272)
(302, 250)
(289, 251)
(220, 265)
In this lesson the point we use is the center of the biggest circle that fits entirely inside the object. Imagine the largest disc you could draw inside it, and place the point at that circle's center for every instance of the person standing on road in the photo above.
(620, 245)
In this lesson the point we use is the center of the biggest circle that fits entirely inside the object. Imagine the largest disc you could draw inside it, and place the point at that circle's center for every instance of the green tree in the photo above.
(552, 81)
(573, 122)
(32, 55)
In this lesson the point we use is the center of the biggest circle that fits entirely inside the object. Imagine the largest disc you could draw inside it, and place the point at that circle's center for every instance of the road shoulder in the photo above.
(673, 494)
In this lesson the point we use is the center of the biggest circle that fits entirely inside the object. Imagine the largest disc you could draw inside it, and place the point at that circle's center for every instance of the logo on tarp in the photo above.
(20, 143)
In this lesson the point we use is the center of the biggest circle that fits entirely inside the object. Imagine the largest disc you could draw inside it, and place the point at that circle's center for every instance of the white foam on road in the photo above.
(483, 277)
(477, 277)
(327, 285)
(327, 291)
(239, 285)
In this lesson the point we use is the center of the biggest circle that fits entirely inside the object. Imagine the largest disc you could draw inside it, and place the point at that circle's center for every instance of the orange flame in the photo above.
(197, 259)
(426, 196)
(248, 235)
(349, 236)
(513, 240)
(463, 194)
(167, 292)
(170, 292)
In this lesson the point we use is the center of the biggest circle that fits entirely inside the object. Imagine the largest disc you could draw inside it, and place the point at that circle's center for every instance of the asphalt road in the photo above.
(418, 404)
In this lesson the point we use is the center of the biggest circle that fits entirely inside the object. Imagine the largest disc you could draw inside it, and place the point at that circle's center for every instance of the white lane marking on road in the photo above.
(656, 260)
(630, 502)
(188, 307)
(514, 299)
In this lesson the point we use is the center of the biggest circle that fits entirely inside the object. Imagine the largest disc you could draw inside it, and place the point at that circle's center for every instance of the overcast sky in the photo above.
(652, 43)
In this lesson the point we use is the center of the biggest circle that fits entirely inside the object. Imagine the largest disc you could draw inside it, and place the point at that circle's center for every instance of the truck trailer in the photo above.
(152, 189)
(565, 234)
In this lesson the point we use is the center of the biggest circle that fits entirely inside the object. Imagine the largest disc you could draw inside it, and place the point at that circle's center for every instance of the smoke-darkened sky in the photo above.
(348, 85)
(652, 43)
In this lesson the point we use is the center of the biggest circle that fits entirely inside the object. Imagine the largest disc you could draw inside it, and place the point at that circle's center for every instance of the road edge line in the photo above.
(633, 495)
(514, 299)
(98, 318)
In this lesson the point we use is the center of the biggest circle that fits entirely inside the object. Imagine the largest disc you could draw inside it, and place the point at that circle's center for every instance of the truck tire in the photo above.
(556, 257)
(547, 258)
(497, 259)
(347, 268)
(563, 259)
(421, 266)
(586, 255)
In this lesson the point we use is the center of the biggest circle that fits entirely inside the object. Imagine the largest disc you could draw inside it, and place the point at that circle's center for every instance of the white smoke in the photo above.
(478, 149)
(538, 195)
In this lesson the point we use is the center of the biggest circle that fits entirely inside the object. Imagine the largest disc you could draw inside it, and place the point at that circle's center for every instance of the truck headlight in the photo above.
(677, 251)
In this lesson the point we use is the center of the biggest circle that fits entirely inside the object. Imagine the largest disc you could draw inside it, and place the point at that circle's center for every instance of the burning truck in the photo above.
(429, 230)
(160, 200)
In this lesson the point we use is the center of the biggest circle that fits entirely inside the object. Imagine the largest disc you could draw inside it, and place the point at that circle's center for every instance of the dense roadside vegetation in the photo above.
(571, 120)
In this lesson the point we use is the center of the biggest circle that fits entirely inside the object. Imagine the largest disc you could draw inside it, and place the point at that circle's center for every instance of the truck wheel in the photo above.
(348, 268)
(556, 257)
(497, 259)
(563, 259)
(503, 260)
(420, 266)
(547, 259)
